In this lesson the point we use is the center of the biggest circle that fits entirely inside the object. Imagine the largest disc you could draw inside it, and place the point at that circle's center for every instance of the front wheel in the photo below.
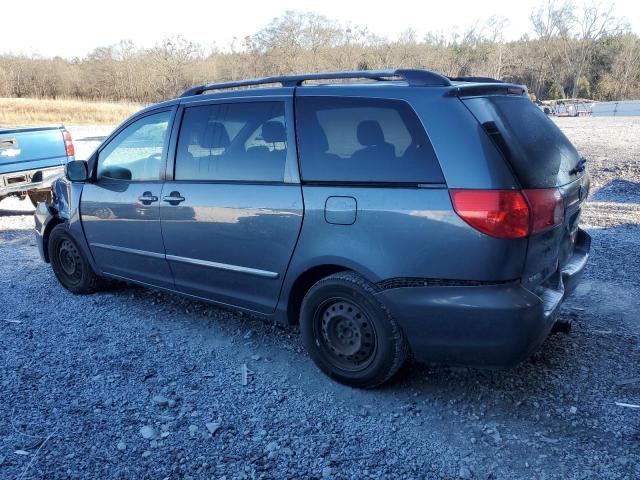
(69, 263)
(349, 334)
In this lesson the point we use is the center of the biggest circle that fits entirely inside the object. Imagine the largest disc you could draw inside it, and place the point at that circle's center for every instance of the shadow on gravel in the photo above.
(14, 213)
(620, 191)
(560, 356)
(441, 378)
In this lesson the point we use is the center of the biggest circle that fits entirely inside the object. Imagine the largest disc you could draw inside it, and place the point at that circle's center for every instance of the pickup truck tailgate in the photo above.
(31, 148)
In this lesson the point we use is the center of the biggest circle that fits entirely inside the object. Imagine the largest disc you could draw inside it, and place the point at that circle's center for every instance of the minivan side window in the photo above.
(136, 152)
(244, 141)
(347, 139)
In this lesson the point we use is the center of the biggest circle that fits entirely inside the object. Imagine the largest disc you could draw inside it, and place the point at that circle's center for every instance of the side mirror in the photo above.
(76, 171)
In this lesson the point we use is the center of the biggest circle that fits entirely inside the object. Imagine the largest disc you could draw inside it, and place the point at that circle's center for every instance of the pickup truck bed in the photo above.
(31, 158)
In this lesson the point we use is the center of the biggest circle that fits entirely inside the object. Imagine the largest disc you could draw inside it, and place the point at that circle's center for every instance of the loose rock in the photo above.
(147, 432)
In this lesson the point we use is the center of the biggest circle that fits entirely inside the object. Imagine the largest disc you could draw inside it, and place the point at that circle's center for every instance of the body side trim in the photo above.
(128, 250)
(194, 261)
(224, 266)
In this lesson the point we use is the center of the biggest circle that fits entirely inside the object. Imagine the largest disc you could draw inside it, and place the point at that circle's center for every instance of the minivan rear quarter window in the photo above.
(363, 140)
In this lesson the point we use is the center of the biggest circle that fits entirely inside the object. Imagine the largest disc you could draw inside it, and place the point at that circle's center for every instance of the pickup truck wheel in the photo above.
(349, 334)
(69, 263)
(37, 197)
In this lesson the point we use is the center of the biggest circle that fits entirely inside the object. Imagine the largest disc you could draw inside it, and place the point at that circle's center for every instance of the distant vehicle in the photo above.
(31, 158)
(567, 108)
(408, 213)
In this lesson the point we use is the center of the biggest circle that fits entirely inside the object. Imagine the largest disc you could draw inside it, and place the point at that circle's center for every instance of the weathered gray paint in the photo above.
(245, 244)
(113, 216)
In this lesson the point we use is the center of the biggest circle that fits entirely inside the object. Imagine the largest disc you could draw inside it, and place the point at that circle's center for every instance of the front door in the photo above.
(232, 214)
(120, 208)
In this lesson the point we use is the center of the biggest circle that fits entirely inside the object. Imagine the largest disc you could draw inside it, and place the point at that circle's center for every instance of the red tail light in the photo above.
(547, 208)
(509, 214)
(68, 143)
(498, 213)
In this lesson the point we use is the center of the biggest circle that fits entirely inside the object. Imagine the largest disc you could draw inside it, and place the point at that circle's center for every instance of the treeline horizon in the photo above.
(570, 52)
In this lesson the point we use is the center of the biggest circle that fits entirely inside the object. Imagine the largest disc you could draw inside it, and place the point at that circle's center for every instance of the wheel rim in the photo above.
(346, 334)
(70, 261)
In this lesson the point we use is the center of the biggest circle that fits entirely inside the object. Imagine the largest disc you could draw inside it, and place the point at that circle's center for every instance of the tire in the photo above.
(70, 264)
(41, 196)
(348, 332)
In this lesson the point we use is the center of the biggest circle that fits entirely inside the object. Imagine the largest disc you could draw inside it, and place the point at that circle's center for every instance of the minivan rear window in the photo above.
(537, 150)
(360, 140)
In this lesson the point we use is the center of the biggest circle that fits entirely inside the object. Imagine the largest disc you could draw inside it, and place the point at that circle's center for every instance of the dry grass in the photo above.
(31, 111)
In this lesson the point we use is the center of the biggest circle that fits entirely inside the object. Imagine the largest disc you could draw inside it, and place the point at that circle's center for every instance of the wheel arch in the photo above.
(55, 221)
(306, 278)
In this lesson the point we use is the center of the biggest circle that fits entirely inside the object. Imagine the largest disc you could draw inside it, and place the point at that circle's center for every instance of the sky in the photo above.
(73, 28)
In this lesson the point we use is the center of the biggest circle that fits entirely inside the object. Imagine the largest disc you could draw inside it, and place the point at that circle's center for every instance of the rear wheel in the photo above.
(70, 264)
(349, 334)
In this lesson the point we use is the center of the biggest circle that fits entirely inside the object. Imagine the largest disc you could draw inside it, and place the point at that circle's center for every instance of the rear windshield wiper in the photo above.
(580, 166)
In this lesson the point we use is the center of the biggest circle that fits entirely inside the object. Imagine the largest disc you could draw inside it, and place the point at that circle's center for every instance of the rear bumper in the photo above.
(494, 325)
(28, 180)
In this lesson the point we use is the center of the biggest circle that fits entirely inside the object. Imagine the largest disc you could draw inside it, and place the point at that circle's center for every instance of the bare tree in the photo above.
(574, 50)
(552, 23)
(595, 22)
(496, 26)
(170, 59)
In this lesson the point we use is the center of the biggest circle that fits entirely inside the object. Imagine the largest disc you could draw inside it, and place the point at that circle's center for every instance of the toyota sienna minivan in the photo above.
(386, 213)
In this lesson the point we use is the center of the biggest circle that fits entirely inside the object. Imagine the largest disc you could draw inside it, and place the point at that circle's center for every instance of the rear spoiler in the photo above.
(483, 89)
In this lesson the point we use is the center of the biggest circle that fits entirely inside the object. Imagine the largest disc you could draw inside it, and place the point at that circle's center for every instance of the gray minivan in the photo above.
(386, 213)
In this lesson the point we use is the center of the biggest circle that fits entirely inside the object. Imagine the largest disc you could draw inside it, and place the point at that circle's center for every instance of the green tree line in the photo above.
(570, 52)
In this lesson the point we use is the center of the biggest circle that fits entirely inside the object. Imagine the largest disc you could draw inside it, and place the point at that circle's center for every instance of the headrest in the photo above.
(370, 133)
(215, 136)
(273, 132)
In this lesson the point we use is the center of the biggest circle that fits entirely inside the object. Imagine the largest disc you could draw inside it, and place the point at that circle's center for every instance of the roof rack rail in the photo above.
(412, 77)
(475, 79)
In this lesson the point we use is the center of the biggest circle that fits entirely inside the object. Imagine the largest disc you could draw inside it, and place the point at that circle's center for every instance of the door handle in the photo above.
(9, 147)
(174, 198)
(8, 142)
(147, 198)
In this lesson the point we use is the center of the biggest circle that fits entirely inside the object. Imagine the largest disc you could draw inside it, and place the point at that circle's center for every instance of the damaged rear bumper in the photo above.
(494, 325)
(25, 181)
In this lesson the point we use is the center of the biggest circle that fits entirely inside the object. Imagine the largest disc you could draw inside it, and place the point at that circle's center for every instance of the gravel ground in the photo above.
(132, 383)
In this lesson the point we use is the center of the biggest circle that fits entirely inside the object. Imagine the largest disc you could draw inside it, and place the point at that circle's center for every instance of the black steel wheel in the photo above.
(69, 263)
(349, 334)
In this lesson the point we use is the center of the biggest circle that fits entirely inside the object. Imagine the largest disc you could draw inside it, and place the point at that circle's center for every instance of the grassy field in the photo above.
(31, 111)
